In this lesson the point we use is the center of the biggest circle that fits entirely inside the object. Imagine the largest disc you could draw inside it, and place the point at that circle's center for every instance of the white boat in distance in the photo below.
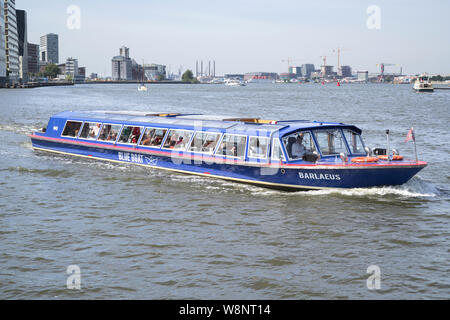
(423, 84)
(234, 82)
(142, 87)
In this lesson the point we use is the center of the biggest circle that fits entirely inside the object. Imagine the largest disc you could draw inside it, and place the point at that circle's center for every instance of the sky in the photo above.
(248, 35)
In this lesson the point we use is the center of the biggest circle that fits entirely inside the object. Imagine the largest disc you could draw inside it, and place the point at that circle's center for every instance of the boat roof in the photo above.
(242, 125)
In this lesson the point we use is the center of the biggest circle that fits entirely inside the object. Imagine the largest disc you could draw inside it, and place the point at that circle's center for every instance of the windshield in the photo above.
(354, 142)
(331, 141)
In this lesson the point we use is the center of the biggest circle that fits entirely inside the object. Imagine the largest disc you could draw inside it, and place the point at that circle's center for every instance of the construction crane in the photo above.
(339, 50)
(289, 60)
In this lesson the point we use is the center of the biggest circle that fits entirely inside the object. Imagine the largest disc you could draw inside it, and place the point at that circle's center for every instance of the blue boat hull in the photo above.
(285, 177)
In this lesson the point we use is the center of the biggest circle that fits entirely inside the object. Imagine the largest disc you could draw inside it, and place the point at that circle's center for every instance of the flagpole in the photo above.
(415, 147)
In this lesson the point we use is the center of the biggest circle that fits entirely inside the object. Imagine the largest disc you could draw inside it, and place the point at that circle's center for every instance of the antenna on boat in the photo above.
(388, 146)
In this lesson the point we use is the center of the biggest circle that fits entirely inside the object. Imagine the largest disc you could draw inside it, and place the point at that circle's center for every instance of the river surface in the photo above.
(138, 233)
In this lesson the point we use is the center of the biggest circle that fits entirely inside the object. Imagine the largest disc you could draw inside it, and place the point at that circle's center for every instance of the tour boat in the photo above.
(423, 84)
(280, 154)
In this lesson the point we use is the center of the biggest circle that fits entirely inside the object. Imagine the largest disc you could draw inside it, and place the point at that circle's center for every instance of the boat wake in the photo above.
(415, 188)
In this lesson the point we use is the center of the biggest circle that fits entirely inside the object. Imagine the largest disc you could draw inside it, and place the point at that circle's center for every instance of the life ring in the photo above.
(364, 159)
(395, 157)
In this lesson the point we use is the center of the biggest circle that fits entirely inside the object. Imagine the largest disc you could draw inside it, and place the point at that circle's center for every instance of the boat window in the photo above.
(130, 134)
(331, 142)
(153, 137)
(205, 142)
(257, 147)
(178, 139)
(72, 128)
(90, 130)
(109, 132)
(232, 146)
(354, 141)
(277, 153)
(299, 144)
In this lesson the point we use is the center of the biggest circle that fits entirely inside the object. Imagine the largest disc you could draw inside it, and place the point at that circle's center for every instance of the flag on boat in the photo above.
(410, 136)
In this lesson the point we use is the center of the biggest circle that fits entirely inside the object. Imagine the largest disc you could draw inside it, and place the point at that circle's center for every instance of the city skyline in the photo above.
(255, 36)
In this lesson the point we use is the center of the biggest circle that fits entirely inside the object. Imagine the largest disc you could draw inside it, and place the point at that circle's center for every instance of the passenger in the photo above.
(147, 139)
(298, 149)
(96, 130)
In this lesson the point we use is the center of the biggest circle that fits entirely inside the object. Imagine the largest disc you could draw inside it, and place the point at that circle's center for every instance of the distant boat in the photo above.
(234, 82)
(423, 84)
(142, 86)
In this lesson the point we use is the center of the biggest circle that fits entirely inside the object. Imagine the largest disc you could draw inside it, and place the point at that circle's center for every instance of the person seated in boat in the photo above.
(135, 134)
(209, 145)
(173, 140)
(95, 130)
(298, 149)
(147, 139)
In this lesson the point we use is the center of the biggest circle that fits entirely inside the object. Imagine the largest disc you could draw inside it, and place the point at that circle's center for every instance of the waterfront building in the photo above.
(49, 48)
(257, 77)
(122, 65)
(326, 71)
(93, 76)
(363, 75)
(345, 71)
(33, 58)
(154, 71)
(307, 69)
(21, 16)
(11, 41)
(81, 74)
(71, 67)
(2, 45)
(297, 71)
(137, 71)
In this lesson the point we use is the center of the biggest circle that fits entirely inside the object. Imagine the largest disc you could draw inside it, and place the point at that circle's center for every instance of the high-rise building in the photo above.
(307, 69)
(33, 58)
(23, 44)
(2, 45)
(11, 41)
(122, 65)
(49, 49)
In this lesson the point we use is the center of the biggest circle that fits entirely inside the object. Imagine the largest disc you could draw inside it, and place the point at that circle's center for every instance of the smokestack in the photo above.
(201, 69)
(196, 68)
(214, 68)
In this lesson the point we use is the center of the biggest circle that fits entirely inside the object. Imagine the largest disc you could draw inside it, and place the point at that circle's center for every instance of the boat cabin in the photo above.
(227, 138)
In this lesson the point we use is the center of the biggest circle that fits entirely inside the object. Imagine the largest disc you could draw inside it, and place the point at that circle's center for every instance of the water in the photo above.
(139, 233)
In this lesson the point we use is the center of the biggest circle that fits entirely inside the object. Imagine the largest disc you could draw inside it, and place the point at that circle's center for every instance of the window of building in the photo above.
(109, 132)
(354, 141)
(331, 142)
(204, 142)
(72, 128)
(90, 130)
(153, 137)
(257, 147)
(178, 139)
(130, 134)
(233, 146)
